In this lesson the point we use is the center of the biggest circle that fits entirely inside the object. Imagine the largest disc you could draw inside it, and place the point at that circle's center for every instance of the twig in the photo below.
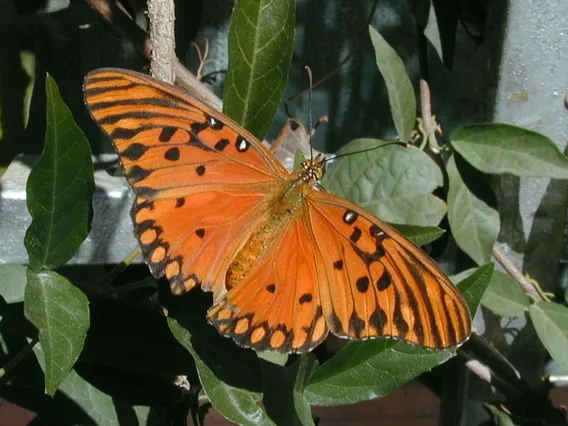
(487, 375)
(428, 122)
(517, 275)
(116, 15)
(18, 357)
(161, 18)
(103, 284)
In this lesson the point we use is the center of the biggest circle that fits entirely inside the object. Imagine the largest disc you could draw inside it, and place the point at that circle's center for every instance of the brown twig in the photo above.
(517, 275)
(161, 19)
(115, 14)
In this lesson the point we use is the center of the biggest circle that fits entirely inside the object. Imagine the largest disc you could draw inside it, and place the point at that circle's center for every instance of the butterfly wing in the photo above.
(201, 181)
(276, 306)
(378, 283)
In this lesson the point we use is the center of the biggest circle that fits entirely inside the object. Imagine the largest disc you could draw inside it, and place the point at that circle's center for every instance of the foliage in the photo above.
(91, 346)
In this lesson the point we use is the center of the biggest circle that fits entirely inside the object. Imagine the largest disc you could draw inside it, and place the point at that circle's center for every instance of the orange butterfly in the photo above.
(287, 262)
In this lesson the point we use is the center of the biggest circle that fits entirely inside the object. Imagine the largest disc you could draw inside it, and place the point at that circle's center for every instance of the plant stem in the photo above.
(525, 284)
(161, 18)
(18, 357)
(104, 283)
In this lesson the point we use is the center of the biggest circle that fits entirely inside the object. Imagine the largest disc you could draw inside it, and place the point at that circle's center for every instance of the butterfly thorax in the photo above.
(287, 205)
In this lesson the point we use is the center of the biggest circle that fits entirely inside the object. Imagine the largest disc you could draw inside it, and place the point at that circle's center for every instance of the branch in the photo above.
(116, 15)
(517, 275)
(161, 18)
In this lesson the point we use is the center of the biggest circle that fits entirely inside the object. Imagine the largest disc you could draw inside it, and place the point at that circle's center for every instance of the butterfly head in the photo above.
(313, 170)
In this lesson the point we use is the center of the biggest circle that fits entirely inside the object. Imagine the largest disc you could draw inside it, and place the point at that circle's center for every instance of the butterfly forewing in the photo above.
(201, 181)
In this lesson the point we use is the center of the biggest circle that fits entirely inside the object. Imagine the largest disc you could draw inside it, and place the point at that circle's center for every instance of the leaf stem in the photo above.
(104, 283)
(525, 284)
(18, 357)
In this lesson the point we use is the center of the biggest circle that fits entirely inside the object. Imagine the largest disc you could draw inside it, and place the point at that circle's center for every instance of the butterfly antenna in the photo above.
(309, 71)
(365, 150)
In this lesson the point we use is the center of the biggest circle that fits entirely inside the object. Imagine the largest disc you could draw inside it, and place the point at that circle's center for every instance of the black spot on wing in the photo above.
(134, 151)
(172, 154)
(167, 134)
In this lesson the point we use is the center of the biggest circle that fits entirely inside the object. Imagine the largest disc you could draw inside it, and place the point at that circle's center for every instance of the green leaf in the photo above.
(502, 148)
(370, 369)
(274, 357)
(308, 365)
(432, 32)
(299, 158)
(82, 403)
(392, 182)
(474, 224)
(13, 282)
(284, 397)
(500, 418)
(550, 321)
(60, 312)
(402, 100)
(373, 368)
(420, 235)
(234, 400)
(505, 297)
(261, 40)
(59, 188)
(474, 286)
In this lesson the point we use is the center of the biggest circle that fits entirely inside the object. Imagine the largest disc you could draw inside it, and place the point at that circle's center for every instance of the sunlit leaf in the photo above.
(550, 320)
(502, 148)
(474, 224)
(402, 99)
(392, 182)
(261, 40)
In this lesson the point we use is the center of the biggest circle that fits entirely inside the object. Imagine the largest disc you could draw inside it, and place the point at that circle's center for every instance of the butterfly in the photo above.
(287, 262)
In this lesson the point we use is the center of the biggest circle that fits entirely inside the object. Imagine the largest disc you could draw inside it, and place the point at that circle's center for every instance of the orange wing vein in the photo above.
(378, 283)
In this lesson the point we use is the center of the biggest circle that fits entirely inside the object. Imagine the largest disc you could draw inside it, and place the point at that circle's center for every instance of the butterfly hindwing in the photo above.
(276, 306)
(379, 284)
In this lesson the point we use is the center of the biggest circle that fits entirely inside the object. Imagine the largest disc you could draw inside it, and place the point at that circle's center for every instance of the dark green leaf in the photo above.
(80, 402)
(402, 100)
(473, 287)
(59, 188)
(504, 296)
(392, 182)
(236, 401)
(474, 224)
(500, 417)
(550, 321)
(502, 148)
(420, 235)
(371, 369)
(13, 282)
(307, 367)
(284, 398)
(261, 40)
(60, 312)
